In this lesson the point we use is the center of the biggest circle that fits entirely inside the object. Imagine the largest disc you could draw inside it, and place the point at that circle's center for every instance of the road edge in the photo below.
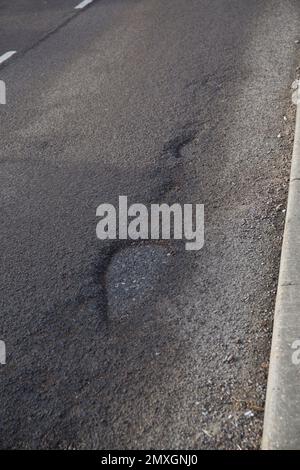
(282, 409)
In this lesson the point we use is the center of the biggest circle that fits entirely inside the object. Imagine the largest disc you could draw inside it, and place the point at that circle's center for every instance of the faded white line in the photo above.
(83, 4)
(6, 56)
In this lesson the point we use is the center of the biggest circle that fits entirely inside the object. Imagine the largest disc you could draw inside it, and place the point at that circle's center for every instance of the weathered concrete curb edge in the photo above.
(282, 411)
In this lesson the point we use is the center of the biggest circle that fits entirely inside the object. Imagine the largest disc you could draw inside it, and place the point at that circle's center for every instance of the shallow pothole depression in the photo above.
(134, 276)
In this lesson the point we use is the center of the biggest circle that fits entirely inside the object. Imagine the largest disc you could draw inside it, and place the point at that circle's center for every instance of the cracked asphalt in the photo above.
(131, 345)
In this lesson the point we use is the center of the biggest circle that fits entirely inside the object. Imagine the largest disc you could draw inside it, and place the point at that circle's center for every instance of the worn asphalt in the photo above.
(122, 345)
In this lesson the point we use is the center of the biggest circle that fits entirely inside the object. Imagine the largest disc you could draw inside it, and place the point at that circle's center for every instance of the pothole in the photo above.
(134, 276)
(175, 146)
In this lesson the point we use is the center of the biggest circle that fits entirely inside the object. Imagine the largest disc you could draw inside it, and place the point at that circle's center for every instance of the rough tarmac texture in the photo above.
(133, 345)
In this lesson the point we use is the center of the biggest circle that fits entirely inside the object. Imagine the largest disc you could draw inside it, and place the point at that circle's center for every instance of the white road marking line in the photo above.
(83, 4)
(6, 56)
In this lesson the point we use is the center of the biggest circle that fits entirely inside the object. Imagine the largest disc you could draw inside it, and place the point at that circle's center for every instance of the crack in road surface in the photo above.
(114, 345)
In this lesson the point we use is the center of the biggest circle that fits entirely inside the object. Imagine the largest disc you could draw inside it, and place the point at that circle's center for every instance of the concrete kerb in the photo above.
(282, 410)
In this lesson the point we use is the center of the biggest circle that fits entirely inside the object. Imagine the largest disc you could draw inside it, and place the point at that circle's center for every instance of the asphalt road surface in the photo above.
(141, 345)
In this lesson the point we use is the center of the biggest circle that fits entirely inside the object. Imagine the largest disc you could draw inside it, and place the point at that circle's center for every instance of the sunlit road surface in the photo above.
(141, 345)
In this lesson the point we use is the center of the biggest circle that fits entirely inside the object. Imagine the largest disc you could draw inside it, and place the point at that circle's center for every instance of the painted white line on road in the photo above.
(6, 56)
(83, 4)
